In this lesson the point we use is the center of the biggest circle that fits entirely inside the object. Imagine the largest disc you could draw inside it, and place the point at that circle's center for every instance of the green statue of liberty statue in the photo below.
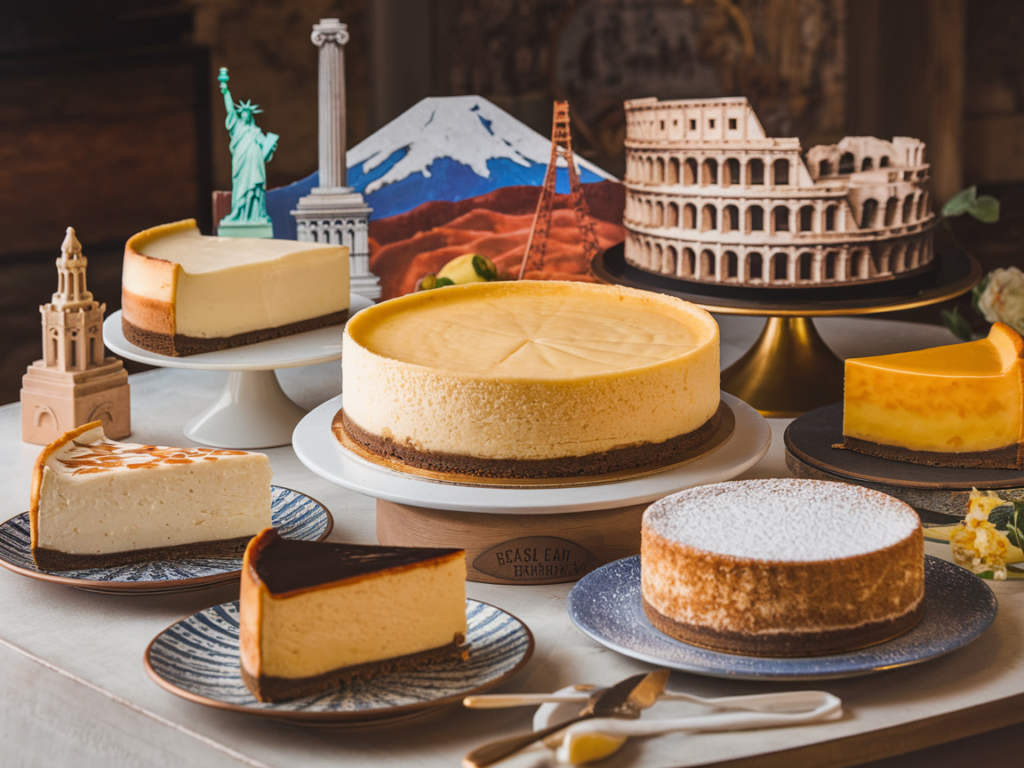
(251, 150)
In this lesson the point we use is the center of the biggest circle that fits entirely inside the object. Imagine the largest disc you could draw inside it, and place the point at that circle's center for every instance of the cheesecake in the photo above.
(98, 503)
(313, 615)
(183, 293)
(782, 567)
(960, 405)
(530, 379)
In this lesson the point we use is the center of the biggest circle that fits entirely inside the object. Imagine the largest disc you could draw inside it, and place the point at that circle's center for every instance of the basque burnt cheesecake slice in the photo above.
(960, 405)
(314, 614)
(98, 503)
(183, 293)
(782, 567)
(530, 379)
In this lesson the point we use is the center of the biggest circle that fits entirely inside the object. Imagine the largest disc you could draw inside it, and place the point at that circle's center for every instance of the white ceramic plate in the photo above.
(317, 448)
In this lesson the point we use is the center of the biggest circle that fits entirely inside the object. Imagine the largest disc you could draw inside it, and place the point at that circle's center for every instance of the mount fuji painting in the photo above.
(458, 175)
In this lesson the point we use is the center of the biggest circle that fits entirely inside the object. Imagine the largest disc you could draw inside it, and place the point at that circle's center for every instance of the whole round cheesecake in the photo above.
(530, 378)
(782, 567)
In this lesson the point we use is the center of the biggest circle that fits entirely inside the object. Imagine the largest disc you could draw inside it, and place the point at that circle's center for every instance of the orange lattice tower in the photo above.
(561, 146)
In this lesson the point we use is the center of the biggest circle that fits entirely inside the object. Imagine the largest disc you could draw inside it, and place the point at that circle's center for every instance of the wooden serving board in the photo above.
(809, 442)
(517, 549)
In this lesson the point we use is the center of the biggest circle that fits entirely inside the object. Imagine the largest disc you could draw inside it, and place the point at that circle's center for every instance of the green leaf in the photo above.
(961, 202)
(484, 267)
(979, 289)
(956, 323)
(1014, 530)
(986, 209)
(1000, 516)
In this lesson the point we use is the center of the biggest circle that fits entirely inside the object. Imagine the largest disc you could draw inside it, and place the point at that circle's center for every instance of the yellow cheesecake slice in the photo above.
(955, 406)
(99, 503)
(530, 378)
(314, 614)
(183, 293)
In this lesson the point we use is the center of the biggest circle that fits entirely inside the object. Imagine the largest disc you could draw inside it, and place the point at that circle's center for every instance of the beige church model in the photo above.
(74, 383)
(711, 199)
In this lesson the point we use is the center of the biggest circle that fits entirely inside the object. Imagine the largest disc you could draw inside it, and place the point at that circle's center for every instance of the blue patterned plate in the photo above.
(294, 515)
(605, 604)
(197, 659)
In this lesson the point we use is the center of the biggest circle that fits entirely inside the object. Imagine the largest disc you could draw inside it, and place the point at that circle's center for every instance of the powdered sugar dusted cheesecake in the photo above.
(782, 567)
(97, 503)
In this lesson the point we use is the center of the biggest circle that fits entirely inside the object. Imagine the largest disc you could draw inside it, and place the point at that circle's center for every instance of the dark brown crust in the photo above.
(788, 644)
(1010, 457)
(53, 560)
(180, 345)
(591, 464)
(268, 688)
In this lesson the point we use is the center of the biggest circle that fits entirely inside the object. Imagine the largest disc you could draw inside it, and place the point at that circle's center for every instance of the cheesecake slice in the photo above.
(315, 614)
(98, 503)
(183, 293)
(955, 406)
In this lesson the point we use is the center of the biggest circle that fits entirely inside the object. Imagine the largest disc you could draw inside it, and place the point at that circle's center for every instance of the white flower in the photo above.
(1003, 298)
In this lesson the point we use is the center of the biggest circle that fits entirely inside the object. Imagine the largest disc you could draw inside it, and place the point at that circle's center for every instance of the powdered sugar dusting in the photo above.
(782, 519)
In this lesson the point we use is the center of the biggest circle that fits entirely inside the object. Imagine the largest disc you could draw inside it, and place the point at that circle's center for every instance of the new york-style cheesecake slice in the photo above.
(313, 614)
(97, 503)
(183, 293)
(956, 406)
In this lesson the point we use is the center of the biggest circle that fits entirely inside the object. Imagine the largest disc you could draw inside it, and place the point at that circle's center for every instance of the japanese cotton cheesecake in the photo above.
(960, 405)
(314, 614)
(530, 378)
(183, 293)
(98, 503)
(782, 567)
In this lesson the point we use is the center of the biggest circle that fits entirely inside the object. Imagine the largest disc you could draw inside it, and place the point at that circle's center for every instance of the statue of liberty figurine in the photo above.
(251, 150)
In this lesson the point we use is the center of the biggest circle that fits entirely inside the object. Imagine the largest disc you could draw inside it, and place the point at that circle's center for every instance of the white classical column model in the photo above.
(335, 212)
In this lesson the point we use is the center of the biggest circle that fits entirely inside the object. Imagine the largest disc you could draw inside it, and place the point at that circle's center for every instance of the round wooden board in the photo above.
(945, 490)
(726, 427)
(517, 549)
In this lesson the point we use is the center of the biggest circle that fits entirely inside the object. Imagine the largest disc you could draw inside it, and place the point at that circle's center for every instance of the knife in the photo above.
(624, 699)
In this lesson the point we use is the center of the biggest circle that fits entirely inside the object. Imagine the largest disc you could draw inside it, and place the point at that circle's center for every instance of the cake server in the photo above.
(790, 701)
(625, 699)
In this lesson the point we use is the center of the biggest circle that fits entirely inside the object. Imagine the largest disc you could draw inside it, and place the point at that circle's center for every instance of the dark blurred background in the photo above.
(111, 121)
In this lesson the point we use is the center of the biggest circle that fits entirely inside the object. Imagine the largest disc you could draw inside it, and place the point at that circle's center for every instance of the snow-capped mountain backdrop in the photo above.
(444, 148)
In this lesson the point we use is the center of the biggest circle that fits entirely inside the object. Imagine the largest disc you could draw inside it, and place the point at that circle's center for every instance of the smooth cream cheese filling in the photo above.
(530, 370)
(101, 497)
(377, 617)
(223, 286)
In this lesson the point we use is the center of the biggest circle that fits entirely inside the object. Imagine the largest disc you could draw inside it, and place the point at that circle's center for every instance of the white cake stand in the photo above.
(592, 524)
(252, 410)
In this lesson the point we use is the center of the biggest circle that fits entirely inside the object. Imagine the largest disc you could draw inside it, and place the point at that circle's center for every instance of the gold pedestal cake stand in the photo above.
(790, 370)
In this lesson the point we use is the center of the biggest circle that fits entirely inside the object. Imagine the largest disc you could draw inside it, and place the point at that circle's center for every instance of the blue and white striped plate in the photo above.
(293, 514)
(197, 659)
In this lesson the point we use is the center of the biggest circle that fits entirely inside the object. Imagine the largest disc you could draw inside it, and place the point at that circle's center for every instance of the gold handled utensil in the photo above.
(624, 699)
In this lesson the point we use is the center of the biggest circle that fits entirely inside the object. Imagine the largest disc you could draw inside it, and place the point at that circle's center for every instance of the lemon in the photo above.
(469, 268)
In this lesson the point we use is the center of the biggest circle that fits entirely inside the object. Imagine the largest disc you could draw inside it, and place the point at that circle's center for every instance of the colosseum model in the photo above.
(711, 199)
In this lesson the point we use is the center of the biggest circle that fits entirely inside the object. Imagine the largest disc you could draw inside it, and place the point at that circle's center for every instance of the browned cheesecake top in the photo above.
(287, 565)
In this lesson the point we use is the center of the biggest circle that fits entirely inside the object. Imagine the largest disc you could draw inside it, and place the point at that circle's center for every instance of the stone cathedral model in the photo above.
(711, 199)
(334, 212)
(75, 382)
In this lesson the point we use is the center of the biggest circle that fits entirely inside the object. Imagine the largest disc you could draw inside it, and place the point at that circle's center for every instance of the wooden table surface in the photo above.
(74, 692)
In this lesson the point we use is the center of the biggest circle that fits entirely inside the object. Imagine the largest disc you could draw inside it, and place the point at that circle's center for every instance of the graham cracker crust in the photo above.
(179, 345)
(53, 560)
(1010, 457)
(269, 688)
(786, 644)
(591, 464)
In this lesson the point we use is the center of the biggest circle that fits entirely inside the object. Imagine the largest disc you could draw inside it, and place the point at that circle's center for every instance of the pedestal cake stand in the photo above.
(790, 369)
(252, 410)
(522, 534)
